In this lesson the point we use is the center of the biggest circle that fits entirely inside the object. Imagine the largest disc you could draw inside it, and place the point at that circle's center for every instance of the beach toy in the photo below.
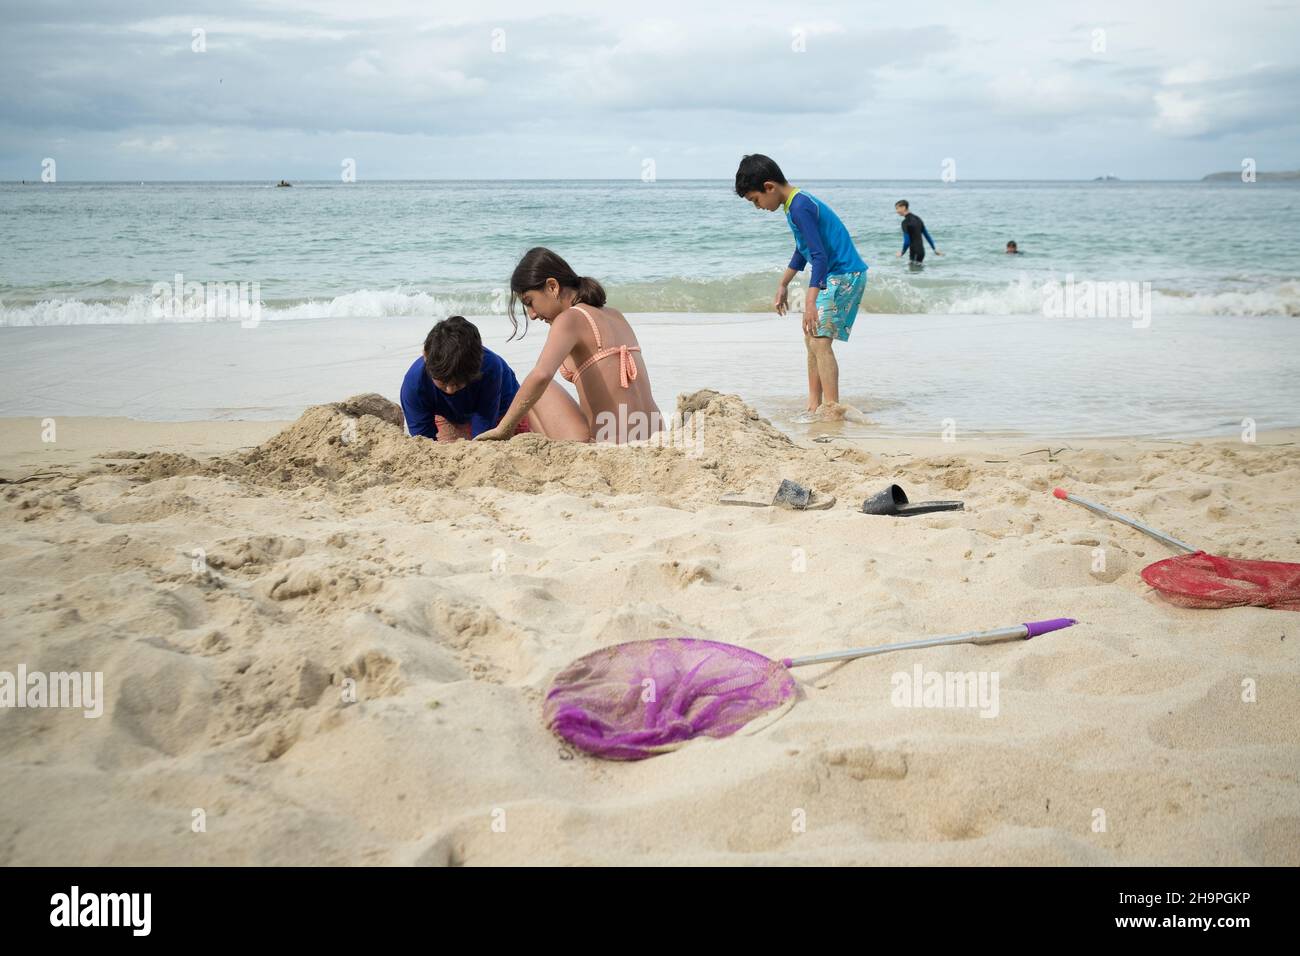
(1201, 580)
(643, 698)
(893, 501)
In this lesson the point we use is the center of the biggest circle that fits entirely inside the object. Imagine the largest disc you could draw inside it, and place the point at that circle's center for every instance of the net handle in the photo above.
(1027, 630)
(1132, 523)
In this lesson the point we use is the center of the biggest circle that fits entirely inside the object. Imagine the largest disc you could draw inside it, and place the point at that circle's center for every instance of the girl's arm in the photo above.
(560, 341)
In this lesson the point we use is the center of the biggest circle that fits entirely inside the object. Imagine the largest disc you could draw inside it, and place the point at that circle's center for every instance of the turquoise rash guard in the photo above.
(819, 238)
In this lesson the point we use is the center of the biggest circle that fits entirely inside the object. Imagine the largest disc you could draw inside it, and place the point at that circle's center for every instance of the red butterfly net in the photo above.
(1198, 579)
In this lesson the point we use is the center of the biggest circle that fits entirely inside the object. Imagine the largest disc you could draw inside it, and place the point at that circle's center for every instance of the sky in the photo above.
(308, 89)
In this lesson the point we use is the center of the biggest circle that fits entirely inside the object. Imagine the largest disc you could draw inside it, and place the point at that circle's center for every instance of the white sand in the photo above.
(450, 582)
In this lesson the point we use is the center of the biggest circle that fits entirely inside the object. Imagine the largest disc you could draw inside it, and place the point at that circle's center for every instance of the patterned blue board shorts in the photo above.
(837, 304)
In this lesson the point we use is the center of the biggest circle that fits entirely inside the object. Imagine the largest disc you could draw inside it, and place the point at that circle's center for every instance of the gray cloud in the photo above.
(584, 89)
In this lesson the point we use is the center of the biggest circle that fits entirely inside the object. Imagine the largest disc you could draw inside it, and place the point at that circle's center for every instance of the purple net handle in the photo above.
(1034, 628)
(1031, 629)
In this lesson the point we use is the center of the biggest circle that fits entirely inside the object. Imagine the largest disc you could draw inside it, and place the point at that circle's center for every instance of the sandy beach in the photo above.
(327, 643)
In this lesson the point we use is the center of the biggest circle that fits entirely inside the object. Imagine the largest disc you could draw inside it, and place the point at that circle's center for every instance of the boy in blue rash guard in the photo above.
(839, 275)
(457, 388)
(913, 232)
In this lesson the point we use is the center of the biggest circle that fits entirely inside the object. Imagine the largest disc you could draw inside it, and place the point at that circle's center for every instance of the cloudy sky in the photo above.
(126, 89)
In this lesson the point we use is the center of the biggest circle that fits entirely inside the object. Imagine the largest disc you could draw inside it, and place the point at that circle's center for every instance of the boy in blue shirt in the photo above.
(457, 388)
(839, 275)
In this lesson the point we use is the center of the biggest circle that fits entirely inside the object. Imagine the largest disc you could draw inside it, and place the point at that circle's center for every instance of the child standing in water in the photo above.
(591, 345)
(839, 276)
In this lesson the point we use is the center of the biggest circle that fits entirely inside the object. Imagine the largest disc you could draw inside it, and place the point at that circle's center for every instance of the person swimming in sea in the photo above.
(1012, 248)
(913, 232)
(592, 345)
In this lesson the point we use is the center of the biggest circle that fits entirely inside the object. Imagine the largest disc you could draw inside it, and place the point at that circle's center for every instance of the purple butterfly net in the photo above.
(635, 700)
(643, 698)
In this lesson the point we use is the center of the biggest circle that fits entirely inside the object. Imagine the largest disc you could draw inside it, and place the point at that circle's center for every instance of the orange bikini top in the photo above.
(626, 365)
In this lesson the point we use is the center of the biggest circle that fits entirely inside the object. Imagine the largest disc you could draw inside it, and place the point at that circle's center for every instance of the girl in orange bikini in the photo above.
(591, 345)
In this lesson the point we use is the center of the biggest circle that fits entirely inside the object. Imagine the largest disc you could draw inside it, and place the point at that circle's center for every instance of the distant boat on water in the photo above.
(283, 183)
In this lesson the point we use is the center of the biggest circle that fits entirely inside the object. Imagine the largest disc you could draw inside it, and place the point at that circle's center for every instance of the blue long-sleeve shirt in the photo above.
(819, 238)
(916, 224)
(481, 403)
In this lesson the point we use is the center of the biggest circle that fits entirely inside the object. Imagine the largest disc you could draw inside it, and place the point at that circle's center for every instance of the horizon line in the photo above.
(601, 179)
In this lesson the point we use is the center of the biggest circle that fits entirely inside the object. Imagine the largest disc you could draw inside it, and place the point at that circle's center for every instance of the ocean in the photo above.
(1209, 275)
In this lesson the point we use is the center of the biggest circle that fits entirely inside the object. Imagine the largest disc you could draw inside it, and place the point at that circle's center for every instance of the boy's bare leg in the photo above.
(557, 415)
(814, 375)
(828, 370)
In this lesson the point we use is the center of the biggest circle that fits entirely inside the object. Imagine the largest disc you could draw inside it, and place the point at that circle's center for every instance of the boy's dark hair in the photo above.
(904, 203)
(540, 264)
(754, 170)
(453, 352)
(1011, 244)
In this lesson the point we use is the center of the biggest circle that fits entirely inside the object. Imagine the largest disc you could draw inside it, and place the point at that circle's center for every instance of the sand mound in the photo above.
(715, 443)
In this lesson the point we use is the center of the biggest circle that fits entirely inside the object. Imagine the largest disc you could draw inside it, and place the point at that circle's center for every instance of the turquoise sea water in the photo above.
(74, 253)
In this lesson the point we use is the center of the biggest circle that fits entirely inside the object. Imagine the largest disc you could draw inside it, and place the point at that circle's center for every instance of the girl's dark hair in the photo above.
(540, 264)
(754, 170)
(453, 352)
